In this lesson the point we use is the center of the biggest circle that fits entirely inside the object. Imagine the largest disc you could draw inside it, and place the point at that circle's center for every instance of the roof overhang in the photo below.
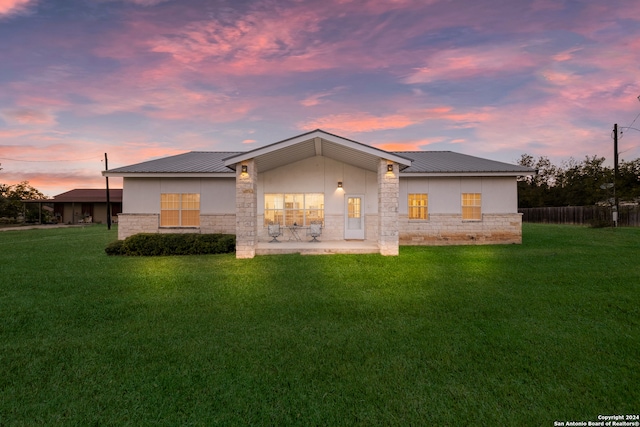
(317, 143)
(463, 174)
(109, 174)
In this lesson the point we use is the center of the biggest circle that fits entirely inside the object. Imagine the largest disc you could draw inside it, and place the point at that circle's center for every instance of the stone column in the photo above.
(388, 199)
(246, 209)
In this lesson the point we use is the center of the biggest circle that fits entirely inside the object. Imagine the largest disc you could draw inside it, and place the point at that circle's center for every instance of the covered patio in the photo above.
(347, 182)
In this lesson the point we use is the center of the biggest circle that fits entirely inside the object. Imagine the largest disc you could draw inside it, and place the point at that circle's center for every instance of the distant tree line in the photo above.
(576, 183)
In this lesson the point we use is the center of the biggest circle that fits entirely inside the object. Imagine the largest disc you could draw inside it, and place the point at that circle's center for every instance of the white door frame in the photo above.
(354, 229)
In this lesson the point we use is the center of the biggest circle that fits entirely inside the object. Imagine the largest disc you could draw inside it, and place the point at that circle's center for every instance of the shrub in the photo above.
(147, 244)
(115, 248)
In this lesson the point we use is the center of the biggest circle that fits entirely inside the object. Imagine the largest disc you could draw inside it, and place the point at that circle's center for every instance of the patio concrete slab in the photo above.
(317, 248)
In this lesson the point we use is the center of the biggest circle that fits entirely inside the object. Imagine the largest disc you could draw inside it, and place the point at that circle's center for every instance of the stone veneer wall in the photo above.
(130, 224)
(446, 229)
(388, 199)
(222, 223)
(246, 210)
(333, 227)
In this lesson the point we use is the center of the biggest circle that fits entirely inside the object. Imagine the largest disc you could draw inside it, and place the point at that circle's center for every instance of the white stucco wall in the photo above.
(499, 194)
(142, 195)
(321, 175)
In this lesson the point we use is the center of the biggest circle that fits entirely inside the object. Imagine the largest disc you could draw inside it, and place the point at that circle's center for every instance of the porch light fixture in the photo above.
(339, 184)
(244, 168)
(390, 167)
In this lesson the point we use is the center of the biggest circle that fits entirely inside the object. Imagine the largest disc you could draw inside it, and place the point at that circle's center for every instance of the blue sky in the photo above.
(141, 79)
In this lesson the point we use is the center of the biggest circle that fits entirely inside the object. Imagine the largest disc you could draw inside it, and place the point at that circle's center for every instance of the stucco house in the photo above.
(354, 191)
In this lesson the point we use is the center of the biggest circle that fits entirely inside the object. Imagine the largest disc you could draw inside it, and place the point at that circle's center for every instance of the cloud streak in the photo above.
(12, 7)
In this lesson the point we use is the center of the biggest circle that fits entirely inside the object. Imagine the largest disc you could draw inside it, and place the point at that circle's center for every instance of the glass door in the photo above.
(354, 217)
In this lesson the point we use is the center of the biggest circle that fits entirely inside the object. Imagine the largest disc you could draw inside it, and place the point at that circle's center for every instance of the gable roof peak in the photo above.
(316, 143)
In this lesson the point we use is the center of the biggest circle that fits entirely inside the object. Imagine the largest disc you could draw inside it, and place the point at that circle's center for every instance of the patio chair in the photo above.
(274, 232)
(315, 230)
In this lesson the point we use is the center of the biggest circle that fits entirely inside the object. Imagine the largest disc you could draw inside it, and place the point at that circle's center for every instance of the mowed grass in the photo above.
(483, 335)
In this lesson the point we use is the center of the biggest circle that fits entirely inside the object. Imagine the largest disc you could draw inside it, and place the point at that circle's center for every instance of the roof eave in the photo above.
(110, 174)
(465, 174)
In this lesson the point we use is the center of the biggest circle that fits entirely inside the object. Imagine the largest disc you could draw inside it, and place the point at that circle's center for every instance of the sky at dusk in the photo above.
(142, 79)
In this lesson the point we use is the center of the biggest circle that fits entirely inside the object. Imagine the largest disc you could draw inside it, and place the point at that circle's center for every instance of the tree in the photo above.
(538, 189)
(11, 197)
(628, 182)
(576, 183)
(585, 183)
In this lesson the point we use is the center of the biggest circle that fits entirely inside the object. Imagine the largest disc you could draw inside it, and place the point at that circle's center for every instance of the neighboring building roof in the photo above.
(89, 195)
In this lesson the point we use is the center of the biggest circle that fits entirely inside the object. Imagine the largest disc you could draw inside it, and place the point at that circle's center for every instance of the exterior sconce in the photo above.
(244, 168)
(390, 167)
(339, 184)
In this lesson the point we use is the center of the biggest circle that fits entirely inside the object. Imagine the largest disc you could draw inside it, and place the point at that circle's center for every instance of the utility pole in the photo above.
(615, 174)
(106, 168)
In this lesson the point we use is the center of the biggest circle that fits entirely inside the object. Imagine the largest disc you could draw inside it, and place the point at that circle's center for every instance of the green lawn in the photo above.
(484, 335)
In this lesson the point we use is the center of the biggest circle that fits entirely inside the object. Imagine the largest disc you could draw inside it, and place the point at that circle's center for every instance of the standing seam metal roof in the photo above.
(423, 162)
(191, 162)
(449, 161)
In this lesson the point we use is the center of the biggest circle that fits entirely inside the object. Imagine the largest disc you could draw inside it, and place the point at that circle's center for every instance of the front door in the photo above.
(354, 217)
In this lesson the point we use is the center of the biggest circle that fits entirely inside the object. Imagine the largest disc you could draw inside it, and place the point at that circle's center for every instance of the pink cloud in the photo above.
(27, 116)
(411, 145)
(358, 122)
(147, 2)
(131, 152)
(9, 7)
(464, 63)
(366, 122)
(259, 42)
(13, 133)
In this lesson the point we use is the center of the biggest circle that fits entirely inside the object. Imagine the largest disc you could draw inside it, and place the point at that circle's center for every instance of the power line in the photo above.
(50, 161)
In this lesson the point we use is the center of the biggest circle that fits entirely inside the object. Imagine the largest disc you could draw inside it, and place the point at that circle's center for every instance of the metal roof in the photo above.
(191, 162)
(451, 162)
(319, 143)
(89, 195)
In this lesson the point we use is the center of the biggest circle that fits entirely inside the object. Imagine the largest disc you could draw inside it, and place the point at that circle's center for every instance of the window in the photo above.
(295, 208)
(418, 206)
(471, 206)
(179, 210)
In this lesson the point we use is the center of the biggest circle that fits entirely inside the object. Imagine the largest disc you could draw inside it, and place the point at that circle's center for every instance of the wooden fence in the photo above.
(628, 216)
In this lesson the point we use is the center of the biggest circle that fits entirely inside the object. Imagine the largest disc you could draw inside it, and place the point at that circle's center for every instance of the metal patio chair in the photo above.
(274, 232)
(315, 230)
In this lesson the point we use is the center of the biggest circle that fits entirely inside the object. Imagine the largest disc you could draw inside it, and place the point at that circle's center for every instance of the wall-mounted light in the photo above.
(244, 168)
(390, 167)
(339, 184)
